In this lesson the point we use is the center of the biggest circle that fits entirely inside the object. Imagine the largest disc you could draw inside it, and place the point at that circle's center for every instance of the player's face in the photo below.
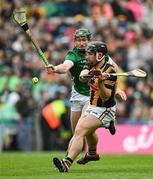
(91, 58)
(81, 43)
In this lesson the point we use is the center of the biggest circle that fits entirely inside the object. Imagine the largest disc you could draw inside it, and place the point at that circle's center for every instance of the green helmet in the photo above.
(82, 32)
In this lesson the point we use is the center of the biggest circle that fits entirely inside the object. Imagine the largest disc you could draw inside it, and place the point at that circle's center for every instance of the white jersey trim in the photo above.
(69, 62)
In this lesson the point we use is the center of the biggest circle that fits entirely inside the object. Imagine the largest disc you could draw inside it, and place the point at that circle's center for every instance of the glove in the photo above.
(95, 73)
(98, 74)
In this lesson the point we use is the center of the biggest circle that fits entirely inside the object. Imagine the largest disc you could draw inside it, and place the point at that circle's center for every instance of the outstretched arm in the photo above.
(61, 68)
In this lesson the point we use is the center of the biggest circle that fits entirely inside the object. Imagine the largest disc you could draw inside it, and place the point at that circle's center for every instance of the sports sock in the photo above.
(68, 161)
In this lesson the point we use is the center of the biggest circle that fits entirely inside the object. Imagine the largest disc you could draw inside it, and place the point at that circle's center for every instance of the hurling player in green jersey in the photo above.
(74, 63)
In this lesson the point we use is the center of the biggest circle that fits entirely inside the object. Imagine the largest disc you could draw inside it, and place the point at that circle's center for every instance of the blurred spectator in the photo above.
(56, 130)
(148, 14)
(136, 7)
(119, 8)
(25, 107)
(8, 125)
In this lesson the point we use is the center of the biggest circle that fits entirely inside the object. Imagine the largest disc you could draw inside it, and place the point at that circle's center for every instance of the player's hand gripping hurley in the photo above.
(19, 15)
(134, 73)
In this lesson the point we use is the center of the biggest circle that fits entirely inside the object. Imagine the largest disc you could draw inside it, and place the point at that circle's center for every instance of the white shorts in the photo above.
(105, 115)
(78, 101)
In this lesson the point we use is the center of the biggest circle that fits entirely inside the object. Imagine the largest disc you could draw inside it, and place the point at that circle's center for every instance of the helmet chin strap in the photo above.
(99, 59)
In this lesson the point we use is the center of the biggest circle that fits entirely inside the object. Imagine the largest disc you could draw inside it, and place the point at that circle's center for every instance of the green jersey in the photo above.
(79, 60)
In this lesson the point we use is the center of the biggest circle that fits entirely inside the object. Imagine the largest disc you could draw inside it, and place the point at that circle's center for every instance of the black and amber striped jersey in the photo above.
(109, 83)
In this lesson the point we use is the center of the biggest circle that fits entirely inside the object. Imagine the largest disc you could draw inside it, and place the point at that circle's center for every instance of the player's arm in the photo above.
(84, 72)
(119, 91)
(105, 93)
(61, 68)
(106, 85)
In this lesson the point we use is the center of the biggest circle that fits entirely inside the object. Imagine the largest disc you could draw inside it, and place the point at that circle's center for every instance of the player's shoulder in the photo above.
(109, 68)
(72, 51)
(72, 55)
(110, 60)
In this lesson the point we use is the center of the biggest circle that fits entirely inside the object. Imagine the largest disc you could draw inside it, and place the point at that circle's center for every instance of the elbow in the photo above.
(105, 95)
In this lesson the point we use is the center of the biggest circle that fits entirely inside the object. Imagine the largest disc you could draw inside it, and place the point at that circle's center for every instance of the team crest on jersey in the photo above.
(83, 62)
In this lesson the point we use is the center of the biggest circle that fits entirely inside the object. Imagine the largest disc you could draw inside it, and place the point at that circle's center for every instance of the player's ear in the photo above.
(100, 55)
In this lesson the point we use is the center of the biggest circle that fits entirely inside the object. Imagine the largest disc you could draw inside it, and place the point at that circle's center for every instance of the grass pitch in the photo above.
(38, 165)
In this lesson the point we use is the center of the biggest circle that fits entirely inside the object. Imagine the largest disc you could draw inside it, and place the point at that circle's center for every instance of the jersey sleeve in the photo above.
(110, 61)
(71, 57)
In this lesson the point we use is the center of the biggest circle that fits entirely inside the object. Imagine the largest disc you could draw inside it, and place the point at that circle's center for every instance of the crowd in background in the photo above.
(125, 26)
